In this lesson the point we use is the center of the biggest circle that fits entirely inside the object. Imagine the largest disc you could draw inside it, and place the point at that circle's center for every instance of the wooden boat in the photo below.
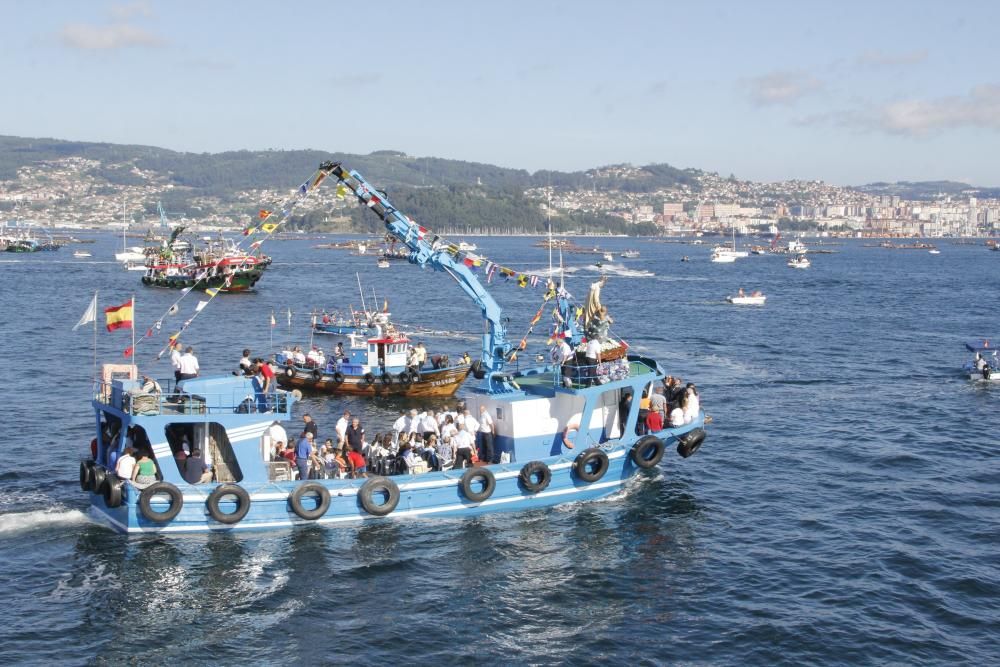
(374, 366)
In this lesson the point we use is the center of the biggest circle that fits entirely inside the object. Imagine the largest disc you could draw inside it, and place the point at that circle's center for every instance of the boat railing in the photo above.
(175, 401)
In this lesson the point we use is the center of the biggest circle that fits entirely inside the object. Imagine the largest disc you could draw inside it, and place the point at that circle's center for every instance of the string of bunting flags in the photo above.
(269, 222)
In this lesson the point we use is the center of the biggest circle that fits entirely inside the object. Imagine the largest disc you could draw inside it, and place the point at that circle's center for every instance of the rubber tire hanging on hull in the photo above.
(86, 472)
(640, 449)
(289, 372)
(689, 443)
(215, 497)
(378, 485)
(317, 375)
(146, 497)
(489, 484)
(404, 379)
(295, 500)
(528, 474)
(112, 491)
(338, 378)
(582, 464)
(386, 379)
(97, 477)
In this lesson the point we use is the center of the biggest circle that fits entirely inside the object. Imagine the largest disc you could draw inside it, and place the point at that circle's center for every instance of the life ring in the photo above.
(338, 378)
(317, 375)
(216, 496)
(689, 443)
(535, 476)
(405, 379)
(380, 485)
(322, 504)
(648, 451)
(386, 379)
(97, 476)
(86, 470)
(289, 372)
(588, 457)
(112, 491)
(488, 480)
(367, 380)
(572, 425)
(157, 488)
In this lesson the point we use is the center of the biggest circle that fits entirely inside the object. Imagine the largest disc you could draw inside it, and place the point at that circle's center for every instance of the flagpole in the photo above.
(270, 329)
(95, 336)
(133, 338)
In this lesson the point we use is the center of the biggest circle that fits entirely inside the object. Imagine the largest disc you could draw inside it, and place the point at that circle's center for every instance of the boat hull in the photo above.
(434, 494)
(242, 281)
(431, 383)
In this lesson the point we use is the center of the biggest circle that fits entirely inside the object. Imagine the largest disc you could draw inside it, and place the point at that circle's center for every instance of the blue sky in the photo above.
(847, 92)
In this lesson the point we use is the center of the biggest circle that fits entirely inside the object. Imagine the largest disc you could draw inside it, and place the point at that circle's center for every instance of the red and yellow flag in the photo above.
(119, 317)
(263, 214)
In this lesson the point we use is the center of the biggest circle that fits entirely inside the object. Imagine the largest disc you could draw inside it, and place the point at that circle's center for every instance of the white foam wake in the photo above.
(21, 521)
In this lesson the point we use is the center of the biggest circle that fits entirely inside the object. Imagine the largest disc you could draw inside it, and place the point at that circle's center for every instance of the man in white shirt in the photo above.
(562, 353)
(341, 427)
(125, 465)
(593, 355)
(245, 363)
(463, 442)
(300, 359)
(484, 437)
(175, 360)
(414, 424)
(399, 426)
(189, 364)
(419, 355)
(471, 424)
(429, 425)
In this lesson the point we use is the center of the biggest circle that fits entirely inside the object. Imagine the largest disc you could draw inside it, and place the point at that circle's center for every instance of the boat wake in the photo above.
(620, 270)
(22, 521)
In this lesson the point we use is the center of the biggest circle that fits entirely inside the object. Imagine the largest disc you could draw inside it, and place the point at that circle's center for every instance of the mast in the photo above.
(363, 306)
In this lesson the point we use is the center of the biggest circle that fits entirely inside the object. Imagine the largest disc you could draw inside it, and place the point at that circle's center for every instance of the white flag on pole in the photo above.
(201, 304)
(90, 315)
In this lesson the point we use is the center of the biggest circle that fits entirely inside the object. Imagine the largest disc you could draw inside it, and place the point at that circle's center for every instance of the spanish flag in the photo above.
(119, 317)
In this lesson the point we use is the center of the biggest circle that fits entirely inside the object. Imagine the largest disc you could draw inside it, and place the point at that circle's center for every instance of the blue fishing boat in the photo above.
(564, 431)
(984, 365)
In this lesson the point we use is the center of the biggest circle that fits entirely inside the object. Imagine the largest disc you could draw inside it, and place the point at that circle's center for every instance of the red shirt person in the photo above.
(654, 421)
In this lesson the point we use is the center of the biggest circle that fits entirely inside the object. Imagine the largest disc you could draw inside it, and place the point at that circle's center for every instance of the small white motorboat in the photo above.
(800, 262)
(608, 257)
(630, 254)
(754, 299)
(383, 263)
(82, 253)
(935, 251)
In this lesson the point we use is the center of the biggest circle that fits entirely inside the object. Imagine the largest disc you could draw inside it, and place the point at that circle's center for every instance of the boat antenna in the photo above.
(363, 306)
(374, 299)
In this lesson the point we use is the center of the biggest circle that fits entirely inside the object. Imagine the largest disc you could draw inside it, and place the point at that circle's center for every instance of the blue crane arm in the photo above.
(435, 253)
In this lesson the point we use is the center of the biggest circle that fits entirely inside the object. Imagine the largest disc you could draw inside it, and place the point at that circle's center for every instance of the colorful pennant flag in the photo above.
(262, 214)
(341, 192)
(119, 317)
(522, 280)
(129, 351)
(211, 291)
(200, 306)
(268, 227)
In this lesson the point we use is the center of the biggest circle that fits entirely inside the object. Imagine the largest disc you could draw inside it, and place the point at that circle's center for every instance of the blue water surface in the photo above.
(844, 509)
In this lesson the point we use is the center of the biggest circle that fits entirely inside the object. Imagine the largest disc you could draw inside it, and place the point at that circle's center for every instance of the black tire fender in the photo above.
(338, 378)
(97, 476)
(295, 500)
(473, 474)
(648, 451)
(156, 488)
(689, 443)
(317, 375)
(289, 372)
(86, 471)
(216, 496)
(528, 474)
(405, 379)
(112, 491)
(587, 458)
(367, 379)
(386, 379)
(366, 496)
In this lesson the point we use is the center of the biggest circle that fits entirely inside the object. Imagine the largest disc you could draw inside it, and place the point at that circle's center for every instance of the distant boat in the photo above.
(723, 256)
(609, 257)
(466, 247)
(754, 299)
(985, 365)
(934, 252)
(685, 258)
(383, 263)
(81, 253)
(799, 262)
(630, 254)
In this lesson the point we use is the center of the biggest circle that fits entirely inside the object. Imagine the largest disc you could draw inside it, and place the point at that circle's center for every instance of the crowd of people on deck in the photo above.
(671, 404)
(418, 441)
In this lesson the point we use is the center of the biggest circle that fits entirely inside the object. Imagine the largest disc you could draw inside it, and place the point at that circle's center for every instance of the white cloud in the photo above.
(980, 108)
(104, 37)
(785, 87)
(129, 10)
(878, 58)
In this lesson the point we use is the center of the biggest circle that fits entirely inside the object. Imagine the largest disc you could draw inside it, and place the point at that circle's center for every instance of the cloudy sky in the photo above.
(847, 92)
